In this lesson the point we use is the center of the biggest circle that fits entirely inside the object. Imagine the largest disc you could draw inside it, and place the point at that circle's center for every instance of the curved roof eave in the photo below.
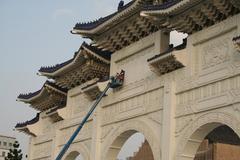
(28, 98)
(96, 26)
(173, 6)
(28, 123)
(63, 66)
(166, 8)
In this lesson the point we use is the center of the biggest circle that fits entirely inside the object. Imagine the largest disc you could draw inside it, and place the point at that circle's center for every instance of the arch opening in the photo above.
(130, 145)
(213, 141)
(74, 156)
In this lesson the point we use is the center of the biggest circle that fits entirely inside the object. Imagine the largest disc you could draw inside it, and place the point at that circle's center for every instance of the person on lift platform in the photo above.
(117, 81)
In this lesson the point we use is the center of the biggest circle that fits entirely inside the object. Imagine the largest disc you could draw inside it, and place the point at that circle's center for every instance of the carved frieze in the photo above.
(182, 123)
(138, 105)
(84, 135)
(156, 117)
(210, 96)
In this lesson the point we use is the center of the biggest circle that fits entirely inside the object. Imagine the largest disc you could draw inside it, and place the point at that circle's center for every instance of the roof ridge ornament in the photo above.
(120, 5)
(156, 2)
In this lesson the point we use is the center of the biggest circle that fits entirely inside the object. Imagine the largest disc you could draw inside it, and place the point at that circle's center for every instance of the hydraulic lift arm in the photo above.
(115, 82)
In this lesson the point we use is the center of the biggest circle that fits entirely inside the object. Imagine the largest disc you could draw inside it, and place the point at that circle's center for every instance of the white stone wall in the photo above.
(209, 92)
(174, 111)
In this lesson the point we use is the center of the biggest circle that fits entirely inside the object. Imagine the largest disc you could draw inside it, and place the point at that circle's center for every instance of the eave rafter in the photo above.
(126, 33)
(140, 18)
(83, 73)
(49, 96)
(103, 24)
(190, 16)
(119, 29)
(88, 63)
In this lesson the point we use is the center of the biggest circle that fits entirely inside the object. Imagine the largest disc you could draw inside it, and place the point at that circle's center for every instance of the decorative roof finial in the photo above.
(120, 5)
(156, 2)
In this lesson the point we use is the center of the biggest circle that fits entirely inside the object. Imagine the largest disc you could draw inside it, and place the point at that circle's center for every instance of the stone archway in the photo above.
(115, 141)
(72, 155)
(193, 135)
(75, 150)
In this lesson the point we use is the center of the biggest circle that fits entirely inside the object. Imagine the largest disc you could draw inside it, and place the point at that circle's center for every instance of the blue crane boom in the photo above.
(115, 82)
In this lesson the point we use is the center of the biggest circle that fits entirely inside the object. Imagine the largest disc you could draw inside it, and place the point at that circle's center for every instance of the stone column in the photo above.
(168, 128)
(161, 41)
(95, 153)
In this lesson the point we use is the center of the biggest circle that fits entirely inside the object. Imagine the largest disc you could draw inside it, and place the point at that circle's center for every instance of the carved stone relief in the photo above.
(84, 135)
(215, 53)
(138, 105)
(182, 123)
(213, 95)
(156, 117)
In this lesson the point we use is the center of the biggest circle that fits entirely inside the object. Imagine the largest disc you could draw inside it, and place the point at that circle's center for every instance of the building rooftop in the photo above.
(7, 136)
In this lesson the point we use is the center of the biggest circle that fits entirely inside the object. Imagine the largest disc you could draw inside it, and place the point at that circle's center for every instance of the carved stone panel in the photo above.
(132, 107)
(214, 95)
(215, 53)
(67, 131)
(42, 150)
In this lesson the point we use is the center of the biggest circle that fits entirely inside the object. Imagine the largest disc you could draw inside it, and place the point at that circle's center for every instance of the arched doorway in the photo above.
(77, 151)
(212, 141)
(221, 143)
(130, 145)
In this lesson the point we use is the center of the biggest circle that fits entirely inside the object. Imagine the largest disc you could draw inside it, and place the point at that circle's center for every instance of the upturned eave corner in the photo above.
(26, 127)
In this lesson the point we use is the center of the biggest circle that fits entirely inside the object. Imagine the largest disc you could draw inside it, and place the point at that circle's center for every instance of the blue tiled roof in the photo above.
(103, 54)
(164, 5)
(94, 24)
(32, 121)
(33, 94)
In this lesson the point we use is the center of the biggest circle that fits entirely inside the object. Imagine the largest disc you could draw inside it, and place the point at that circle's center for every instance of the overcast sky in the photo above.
(34, 34)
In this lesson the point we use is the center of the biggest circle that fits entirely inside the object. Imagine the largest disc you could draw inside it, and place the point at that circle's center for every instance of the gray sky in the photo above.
(34, 34)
